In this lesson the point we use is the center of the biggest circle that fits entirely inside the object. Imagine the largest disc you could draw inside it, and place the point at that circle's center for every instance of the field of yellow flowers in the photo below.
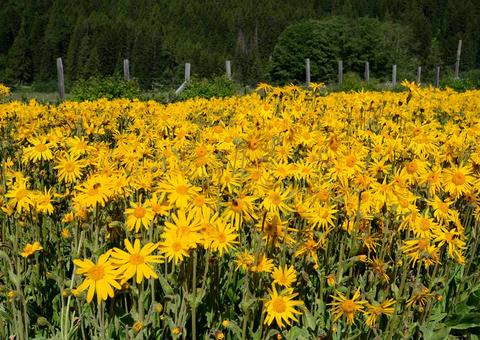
(287, 213)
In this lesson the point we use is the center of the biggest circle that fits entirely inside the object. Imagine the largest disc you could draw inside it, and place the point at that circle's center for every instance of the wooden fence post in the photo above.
(437, 76)
(187, 79)
(367, 71)
(394, 76)
(187, 71)
(419, 75)
(307, 72)
(457, 63)
(126, 69)
(61, 79)
(340, 72)
(228, 69)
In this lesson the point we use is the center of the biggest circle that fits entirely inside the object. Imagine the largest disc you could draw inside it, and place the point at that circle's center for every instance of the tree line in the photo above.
(158, 36)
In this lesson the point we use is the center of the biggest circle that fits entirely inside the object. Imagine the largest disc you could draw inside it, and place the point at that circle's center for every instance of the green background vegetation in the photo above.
(159, 36)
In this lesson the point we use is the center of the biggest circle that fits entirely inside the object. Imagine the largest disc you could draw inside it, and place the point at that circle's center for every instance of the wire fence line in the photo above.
(308, 76)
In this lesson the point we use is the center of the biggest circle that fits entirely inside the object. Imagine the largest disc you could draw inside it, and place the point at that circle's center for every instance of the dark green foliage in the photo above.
(354, 41)
(468, 81)
(159, 36)
(218, 87)
(104, 87)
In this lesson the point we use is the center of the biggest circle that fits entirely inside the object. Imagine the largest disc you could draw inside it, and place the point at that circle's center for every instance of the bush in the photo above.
(218, 87)
(104, 87)
(354, 41)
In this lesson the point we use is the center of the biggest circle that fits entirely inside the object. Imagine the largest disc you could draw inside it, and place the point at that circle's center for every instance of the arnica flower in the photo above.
(100, 277)
(138, 216)
(223, 238)
(347, 307)
(136, 261)
(69, 168)
(281, 307)
(40, 149)
(174, 247)
(375, 311)
(284, 276)
(31, 249)
(20, 197)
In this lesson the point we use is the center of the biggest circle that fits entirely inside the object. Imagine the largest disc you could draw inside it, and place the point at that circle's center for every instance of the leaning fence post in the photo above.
(228, 69)
(126, 69)
(187, 79)
(437, 76)
(61, 79)
(394, 76)
(367, 71)
(340, 72)
(457, 63)
(307, 72)
(419, 75)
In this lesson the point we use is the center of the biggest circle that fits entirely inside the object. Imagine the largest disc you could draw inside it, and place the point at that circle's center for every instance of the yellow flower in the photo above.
(138, 216)
(137, 326)
(331, 280)
(185, 226)
(43, 202)
(66, 233)
(262, 265)
(40, 149)
(274, 201)
(179, 190)
(69, 168)
(285, 276)
(136, 261)
(347, 307)
(100, 277)
(174, 247)
(457, 180)
(281, 307)
(376, 310)
(31, 249)
(20, 197)
(244, 260)
(4, 90)
(223, 238)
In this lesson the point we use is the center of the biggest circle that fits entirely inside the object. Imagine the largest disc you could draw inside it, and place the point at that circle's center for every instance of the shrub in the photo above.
(104, 87)
(203, 88)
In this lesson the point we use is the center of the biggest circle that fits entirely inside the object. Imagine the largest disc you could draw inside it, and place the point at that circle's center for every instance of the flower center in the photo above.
(422, 244)
(182, 189)
(425, 224)
(458, 178)
(412, 167)
(139, 212)
(275, 198)
(40, 147)
(221, 237)
(279, 305)
(69, 167)
(199, 201)
(21, 194)
(176, 246)
(449, 236)
(96, 273)
(136, 259)
(94, 190)
(443, 207)
(348, 306)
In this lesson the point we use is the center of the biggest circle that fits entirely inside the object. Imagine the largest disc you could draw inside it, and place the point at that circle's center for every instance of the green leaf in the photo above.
(297, 333)
(167, 289)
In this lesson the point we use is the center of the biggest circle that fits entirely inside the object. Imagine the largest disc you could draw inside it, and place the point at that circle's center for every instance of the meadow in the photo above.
(288, 213)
